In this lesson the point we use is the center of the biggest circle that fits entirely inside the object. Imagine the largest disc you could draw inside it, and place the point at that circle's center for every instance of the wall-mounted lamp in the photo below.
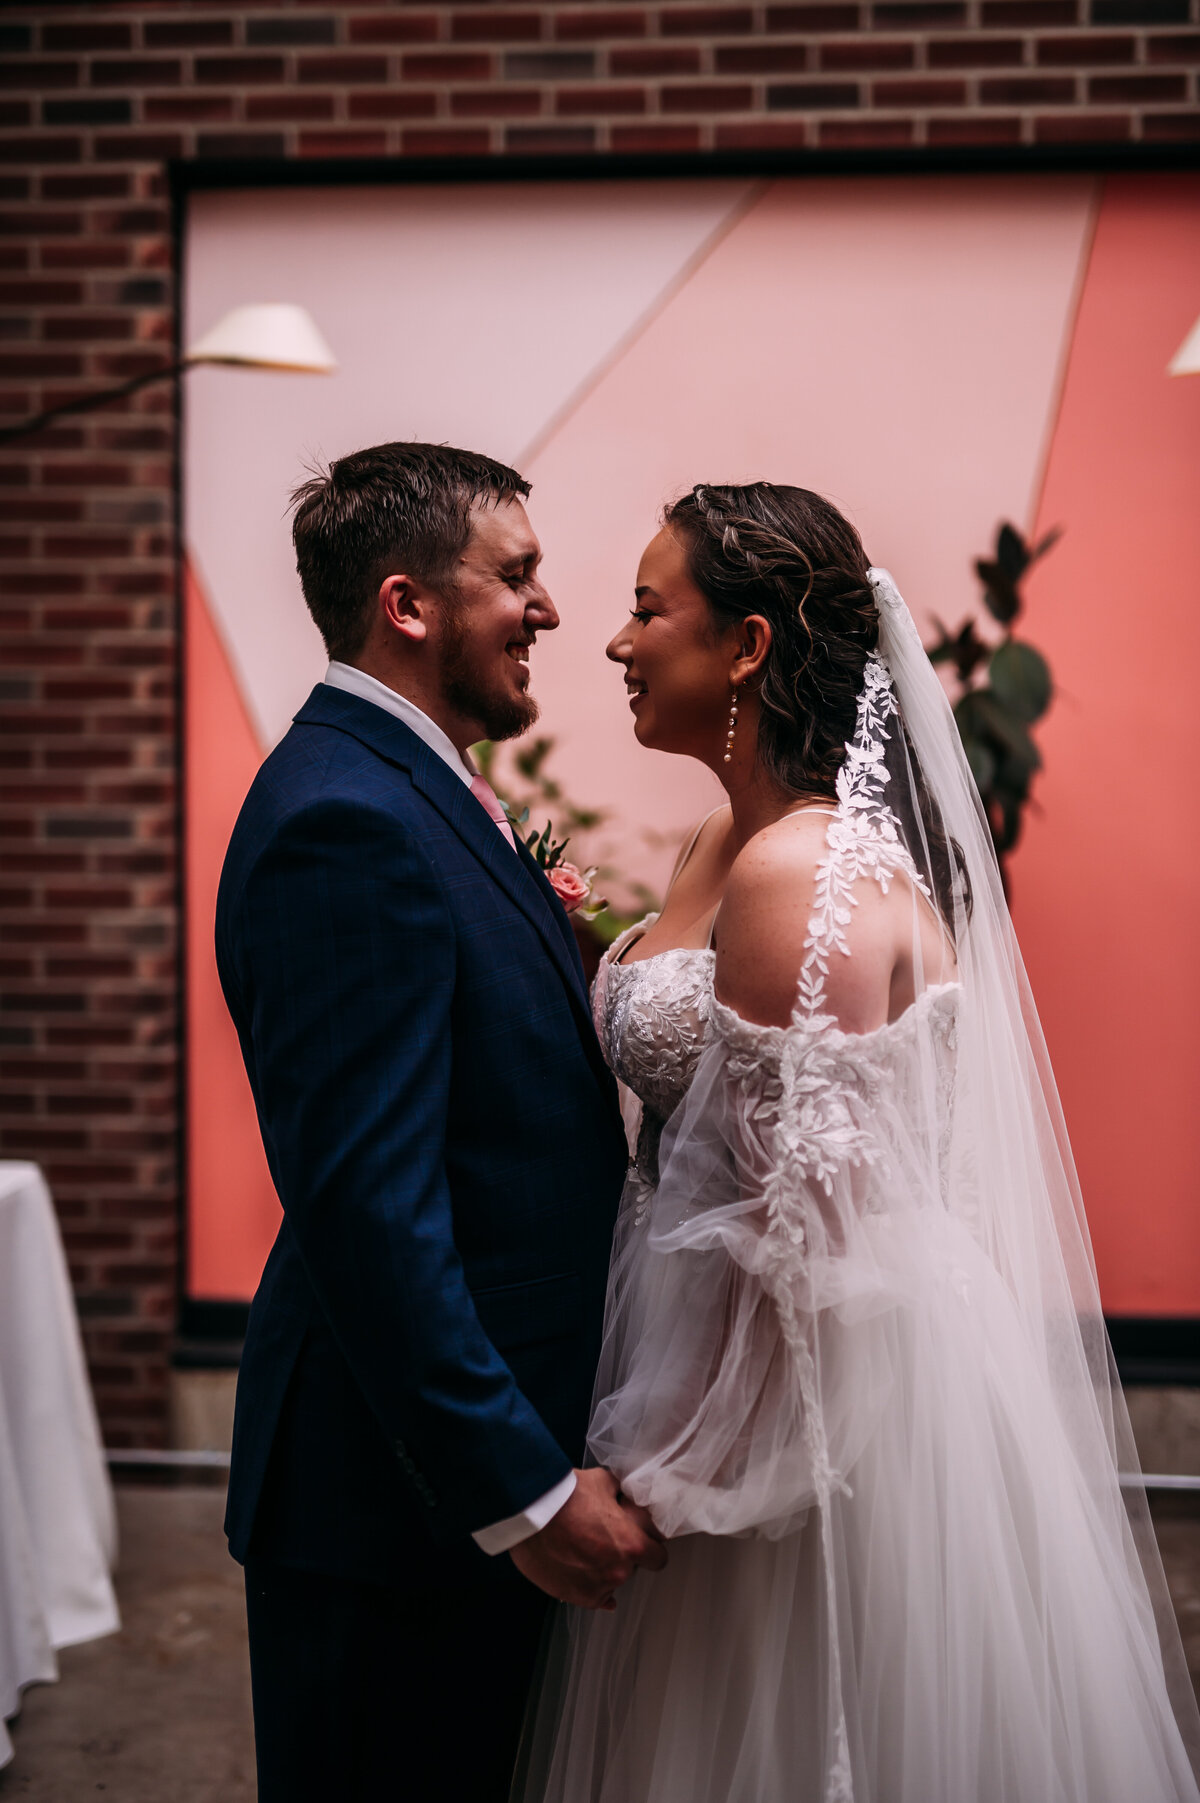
(273, 335)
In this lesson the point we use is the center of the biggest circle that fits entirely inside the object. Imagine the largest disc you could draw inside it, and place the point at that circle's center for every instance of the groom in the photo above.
(445, 1140)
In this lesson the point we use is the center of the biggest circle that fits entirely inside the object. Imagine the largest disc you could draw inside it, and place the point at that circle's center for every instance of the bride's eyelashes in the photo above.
(640, 614)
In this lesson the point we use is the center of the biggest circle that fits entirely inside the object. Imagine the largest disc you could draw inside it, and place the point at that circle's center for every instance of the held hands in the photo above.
(591, 1546)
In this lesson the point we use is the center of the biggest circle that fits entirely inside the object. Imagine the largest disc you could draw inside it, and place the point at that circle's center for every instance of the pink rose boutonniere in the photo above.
(573, 887)
(569, 884)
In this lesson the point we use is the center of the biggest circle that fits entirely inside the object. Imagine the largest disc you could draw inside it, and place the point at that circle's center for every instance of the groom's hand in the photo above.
(591, 1546)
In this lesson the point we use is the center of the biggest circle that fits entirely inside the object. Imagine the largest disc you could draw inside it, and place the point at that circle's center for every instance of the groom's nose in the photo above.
(541, 615)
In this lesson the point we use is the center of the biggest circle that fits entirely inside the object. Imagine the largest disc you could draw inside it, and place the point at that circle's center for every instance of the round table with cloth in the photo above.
(57, 1523)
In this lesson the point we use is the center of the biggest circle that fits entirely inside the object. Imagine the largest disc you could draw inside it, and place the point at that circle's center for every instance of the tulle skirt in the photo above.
(960, 1622)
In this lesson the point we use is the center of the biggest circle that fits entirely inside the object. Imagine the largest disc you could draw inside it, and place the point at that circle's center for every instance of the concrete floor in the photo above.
(160, 1713)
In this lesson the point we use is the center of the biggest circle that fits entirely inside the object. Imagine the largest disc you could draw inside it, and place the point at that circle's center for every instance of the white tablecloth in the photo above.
(57, 1523)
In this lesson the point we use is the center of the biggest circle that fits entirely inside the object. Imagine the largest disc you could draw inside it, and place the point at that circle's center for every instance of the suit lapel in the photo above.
(558, 913)
(519, 877)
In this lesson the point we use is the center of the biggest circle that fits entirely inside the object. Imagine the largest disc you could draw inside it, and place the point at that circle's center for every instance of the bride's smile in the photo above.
(677, 658)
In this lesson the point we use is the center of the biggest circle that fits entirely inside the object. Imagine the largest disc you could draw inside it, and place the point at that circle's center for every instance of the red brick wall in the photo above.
(93, 98)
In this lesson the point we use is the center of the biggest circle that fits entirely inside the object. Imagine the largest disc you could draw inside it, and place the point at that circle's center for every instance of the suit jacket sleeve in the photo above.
(343, 953)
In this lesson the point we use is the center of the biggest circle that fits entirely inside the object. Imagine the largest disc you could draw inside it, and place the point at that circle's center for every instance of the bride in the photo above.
(855, 1366)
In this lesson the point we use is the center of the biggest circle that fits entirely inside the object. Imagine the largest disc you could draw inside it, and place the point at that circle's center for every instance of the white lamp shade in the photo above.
(1186, 361)
(272, 335)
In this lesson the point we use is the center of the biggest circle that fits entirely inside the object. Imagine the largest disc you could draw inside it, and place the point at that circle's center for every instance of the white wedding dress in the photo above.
(851, 1368)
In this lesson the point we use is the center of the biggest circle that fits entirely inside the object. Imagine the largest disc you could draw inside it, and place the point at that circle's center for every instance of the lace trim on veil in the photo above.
(819, 1131)
(863, 838)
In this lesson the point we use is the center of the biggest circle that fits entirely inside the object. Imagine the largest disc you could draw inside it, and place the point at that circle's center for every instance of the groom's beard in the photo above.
(475, 691)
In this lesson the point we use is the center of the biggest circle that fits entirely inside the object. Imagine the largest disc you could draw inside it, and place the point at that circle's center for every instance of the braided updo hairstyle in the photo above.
(788, 555)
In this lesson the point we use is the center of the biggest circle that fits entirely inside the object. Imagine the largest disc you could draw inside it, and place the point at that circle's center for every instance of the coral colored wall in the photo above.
(229, 1236)
(1107, 884)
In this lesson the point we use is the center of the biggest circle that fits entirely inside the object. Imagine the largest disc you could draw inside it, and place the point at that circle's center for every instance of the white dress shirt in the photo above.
(501, 1535)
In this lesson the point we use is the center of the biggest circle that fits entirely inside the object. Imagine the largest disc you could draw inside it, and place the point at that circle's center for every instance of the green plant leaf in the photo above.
(1004, 817)
(1007, 730)
(1013, 778)
(530, 758)
(1000, 595)
(1020, 677)
(982, 716)
(982, 762)
(965, 649)
(971, 723)
(1012, 553)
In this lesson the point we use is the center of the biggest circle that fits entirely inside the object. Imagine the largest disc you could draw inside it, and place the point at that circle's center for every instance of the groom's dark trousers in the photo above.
(445, 1141)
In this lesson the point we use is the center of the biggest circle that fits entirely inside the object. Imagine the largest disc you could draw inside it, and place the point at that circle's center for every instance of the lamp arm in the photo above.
(86, 402)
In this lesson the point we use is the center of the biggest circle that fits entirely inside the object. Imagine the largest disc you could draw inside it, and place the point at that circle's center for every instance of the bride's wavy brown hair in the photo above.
(789, 555)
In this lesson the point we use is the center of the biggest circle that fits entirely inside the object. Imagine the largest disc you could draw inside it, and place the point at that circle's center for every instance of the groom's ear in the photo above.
(406, 606)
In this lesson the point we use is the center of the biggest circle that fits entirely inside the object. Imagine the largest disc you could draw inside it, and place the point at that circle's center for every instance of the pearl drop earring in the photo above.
(733, 713)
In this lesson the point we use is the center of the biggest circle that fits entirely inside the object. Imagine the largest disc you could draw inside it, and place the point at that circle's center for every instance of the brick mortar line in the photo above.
(863, 81)
(341, 15)
(498, 46)
(191, 131)
(293, 57)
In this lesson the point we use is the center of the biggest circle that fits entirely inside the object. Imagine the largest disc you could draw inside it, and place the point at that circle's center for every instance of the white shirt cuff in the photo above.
(505, 1534)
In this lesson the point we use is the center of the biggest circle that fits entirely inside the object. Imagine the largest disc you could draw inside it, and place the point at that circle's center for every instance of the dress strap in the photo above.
(691, 844)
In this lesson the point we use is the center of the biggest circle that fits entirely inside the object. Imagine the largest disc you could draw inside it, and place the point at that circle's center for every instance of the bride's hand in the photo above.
(591, 1547)
(642, 1516)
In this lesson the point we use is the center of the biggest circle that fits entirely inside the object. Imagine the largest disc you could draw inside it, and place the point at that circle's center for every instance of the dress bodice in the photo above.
(652, 1018)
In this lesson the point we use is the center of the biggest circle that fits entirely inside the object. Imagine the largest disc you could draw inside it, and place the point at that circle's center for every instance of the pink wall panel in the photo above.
(467, 315)
(896, 345)
(1107, 883)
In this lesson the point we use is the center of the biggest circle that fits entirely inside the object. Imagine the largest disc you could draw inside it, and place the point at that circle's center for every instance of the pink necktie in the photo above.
(485, 795)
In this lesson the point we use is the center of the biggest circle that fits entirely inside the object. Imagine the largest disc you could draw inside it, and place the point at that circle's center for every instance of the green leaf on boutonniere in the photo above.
(543, 848)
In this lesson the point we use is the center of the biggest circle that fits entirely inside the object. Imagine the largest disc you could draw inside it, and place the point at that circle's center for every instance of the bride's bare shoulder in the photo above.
(763, 927)
(779, 857)
(764, 918)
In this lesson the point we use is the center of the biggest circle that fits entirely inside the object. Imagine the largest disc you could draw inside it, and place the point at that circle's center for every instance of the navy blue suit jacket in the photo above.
(445, 1141)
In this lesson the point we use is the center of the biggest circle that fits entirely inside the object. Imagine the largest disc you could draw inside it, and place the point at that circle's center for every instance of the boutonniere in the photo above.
(573, 887)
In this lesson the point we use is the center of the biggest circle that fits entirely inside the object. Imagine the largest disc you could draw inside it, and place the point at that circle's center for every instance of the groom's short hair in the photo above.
(392, 508)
